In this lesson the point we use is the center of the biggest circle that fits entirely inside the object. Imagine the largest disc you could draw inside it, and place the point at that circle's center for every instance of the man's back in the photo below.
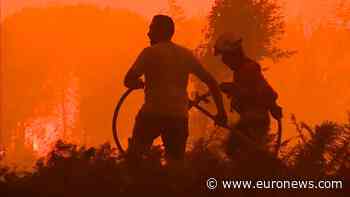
(166, 67)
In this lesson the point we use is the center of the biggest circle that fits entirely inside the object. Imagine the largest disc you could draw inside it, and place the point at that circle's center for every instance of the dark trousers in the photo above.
(148, 126)
(255, 128)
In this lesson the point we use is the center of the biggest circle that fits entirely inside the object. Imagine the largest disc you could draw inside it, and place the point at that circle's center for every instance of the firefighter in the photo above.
(251, 95)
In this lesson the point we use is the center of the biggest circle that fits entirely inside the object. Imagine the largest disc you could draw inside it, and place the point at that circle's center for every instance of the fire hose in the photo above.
(193, 103)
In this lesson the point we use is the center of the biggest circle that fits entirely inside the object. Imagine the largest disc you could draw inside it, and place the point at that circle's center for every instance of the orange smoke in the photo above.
(43, 45)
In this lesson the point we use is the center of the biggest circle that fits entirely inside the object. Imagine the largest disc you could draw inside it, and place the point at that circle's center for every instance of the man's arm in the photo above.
(213, 86)
(132, 78)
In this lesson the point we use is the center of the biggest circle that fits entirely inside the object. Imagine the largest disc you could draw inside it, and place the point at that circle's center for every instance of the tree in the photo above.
(259, 22)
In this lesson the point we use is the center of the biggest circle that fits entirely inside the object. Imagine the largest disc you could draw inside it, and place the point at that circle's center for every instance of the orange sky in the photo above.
(312, 12)
(140, 6)
(306, 9)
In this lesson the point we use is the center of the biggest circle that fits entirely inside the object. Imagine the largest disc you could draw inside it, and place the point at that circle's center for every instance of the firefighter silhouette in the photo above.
(251, 95)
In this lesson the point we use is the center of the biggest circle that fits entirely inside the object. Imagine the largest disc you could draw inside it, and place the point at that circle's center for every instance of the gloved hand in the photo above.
(221, 119)
(276, 112)
(228, 88)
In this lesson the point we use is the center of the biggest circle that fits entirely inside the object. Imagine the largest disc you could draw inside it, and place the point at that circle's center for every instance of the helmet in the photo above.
(227, 42)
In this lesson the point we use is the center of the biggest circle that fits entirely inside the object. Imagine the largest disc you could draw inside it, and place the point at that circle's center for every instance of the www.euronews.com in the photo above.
(212, 183)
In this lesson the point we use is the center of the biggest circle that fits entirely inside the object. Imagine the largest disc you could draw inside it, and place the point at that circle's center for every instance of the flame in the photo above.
(2, 153)
(43, 129)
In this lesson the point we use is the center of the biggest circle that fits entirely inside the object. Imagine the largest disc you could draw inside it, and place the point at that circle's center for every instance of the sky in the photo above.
(143, 7)
(310, 11)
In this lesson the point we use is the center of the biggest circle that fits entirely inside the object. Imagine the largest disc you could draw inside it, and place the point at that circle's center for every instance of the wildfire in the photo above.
(41, 133)
(2, 152)
(43, 129)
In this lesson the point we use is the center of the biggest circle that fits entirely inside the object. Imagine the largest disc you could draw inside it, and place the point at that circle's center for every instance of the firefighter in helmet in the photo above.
(251, 95)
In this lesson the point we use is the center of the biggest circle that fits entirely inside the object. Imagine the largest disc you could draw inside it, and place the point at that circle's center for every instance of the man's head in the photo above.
(229, 46)
(162, 29)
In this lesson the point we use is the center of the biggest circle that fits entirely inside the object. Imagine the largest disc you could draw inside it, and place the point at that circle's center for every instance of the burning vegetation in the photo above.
(319, 153)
